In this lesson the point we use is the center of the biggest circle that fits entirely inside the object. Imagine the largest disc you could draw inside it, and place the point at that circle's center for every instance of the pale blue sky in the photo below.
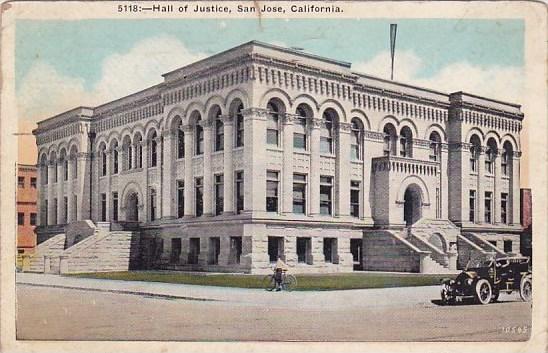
(78, 48)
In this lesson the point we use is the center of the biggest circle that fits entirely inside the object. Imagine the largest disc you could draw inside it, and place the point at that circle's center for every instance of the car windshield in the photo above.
(480, 261)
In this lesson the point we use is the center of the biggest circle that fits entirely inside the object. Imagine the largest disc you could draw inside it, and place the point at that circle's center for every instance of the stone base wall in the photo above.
(51, 248)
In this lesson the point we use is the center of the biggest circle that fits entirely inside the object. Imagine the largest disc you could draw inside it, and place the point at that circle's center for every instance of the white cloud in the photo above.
(44, 91)
(497, 82)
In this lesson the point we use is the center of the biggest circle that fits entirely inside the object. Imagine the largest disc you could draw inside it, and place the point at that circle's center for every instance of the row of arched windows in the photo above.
(390, 147)
(62, 161)
(490, 155)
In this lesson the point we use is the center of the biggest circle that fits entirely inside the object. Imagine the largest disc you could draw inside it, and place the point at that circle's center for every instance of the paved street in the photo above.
(88, 309)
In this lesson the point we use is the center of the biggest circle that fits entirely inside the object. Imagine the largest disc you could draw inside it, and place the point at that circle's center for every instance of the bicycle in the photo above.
(289, 282)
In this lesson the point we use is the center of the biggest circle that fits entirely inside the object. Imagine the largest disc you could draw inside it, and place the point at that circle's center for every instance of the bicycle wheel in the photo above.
(290, 283)
(268, 282)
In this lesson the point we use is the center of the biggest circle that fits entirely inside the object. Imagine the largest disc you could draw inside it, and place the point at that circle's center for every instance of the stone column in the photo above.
(60, 185)
(50, 210)
(208, 177)
(189, 172)
(287, 168)
(82, 186)
(224, 254)
(496, 188)
(463, 151)
(514, 198)
(373, 146)
(342, 171)
(146, 164)
(168, 200)
(444, 182)
(108, 189)
(313, 195)
(228, 206)
(70, 183)
(40, 198)
(481, 188)
(254, 160)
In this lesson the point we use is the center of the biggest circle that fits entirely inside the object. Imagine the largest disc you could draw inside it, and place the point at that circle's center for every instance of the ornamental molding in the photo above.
(187, 128)
(206, 124)
(226, 118)
(255, 113)
(373, 135)
(316, 123)
(344, 127)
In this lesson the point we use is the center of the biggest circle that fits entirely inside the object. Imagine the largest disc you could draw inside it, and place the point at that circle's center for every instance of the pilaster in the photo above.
(208, 177)
(168, 201)
(228, 206)
(60, 185)
(254, 155)
(481, 187)
(287, 168)
(71, 205)
(189, 182)
(51, 178)
(515, 193)
(496, 189)
(342, 171)
(314, 177)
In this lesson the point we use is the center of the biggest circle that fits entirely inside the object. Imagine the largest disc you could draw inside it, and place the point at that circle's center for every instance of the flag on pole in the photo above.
(393, 30)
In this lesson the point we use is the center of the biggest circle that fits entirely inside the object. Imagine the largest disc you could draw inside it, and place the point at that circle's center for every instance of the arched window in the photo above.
(199, 137)
(475, 149)
(128, 153)
(44, 170)
(356, 143)
(273, 123)
(180, 138)
(326, 134)
(300, 137)
(389, 146)
(138, 151)
(406, 142)
(435, 146)
(219, 132)
(506, 159)
(490, 156)
(103, 162)
(153, 149)
(115, 157)
(239, 119)
(74, 158)
(65, 167)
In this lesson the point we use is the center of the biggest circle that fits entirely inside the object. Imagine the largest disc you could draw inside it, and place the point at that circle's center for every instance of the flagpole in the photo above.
(393, 30)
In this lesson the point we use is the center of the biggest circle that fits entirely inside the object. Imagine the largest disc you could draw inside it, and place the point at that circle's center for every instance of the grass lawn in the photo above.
(304, 281)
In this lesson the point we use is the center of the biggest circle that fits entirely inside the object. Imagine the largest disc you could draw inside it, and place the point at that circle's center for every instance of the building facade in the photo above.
(27, 215)
(262, 152)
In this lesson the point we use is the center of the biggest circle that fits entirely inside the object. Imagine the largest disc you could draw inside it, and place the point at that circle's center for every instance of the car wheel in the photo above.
(483, 291)
(526, 289)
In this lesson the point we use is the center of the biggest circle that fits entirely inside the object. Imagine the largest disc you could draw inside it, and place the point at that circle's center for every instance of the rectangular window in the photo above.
(214, 250)
(271, 191)
(193, 250)
(219, 135)
(325, 145)
(326, 195)
(180, 144)
(175, 250)
(503, 208)
(45, 212)
(103, 163)
(219, 194)
(299, 134)
(493, 242)
(355, 199)
(55, 208)
(65, 209)
(239, 189)
(33, 219)
(65, 169)
(180, 198)
(235, 250)
(299, 193)
(75, 205)
(20, 182)
(103, 207)
(115, 206)
(488, 206)
(275, 248)
(330, 249)
(272, 137)
(507, 246)
(20, 218)
(472, 206)
(33, 182)
(303, 250)
(152, 204)
(199, 196)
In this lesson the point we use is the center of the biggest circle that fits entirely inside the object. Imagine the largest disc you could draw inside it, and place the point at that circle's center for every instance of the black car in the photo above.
(485, 278)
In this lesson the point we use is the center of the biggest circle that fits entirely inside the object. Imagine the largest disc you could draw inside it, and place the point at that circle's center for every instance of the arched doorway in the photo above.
(132, 208)
(412, 205)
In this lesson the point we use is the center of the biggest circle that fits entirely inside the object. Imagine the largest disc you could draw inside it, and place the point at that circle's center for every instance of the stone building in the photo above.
(262, 152)
(27, 215)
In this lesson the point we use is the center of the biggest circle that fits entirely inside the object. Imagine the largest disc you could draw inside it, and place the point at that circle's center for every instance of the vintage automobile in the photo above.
(486, 277)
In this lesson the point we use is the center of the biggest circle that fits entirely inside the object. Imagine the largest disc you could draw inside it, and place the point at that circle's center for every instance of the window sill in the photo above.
(328, 155)
(301, 151)
(216, 153)
(273, 148)
(356, 161)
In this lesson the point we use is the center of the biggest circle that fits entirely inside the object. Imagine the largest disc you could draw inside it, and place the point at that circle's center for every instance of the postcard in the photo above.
(273, 176)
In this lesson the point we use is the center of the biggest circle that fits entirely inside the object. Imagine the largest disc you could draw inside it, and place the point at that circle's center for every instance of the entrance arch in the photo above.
(132, 207)
(412, 206)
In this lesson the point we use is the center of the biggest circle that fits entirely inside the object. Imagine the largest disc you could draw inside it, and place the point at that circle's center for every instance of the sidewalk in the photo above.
(325, 300)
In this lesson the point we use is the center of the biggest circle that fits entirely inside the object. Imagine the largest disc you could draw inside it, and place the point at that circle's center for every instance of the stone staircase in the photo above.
(389, 250)
(51, 248)
(482, 243)
(91, 249)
